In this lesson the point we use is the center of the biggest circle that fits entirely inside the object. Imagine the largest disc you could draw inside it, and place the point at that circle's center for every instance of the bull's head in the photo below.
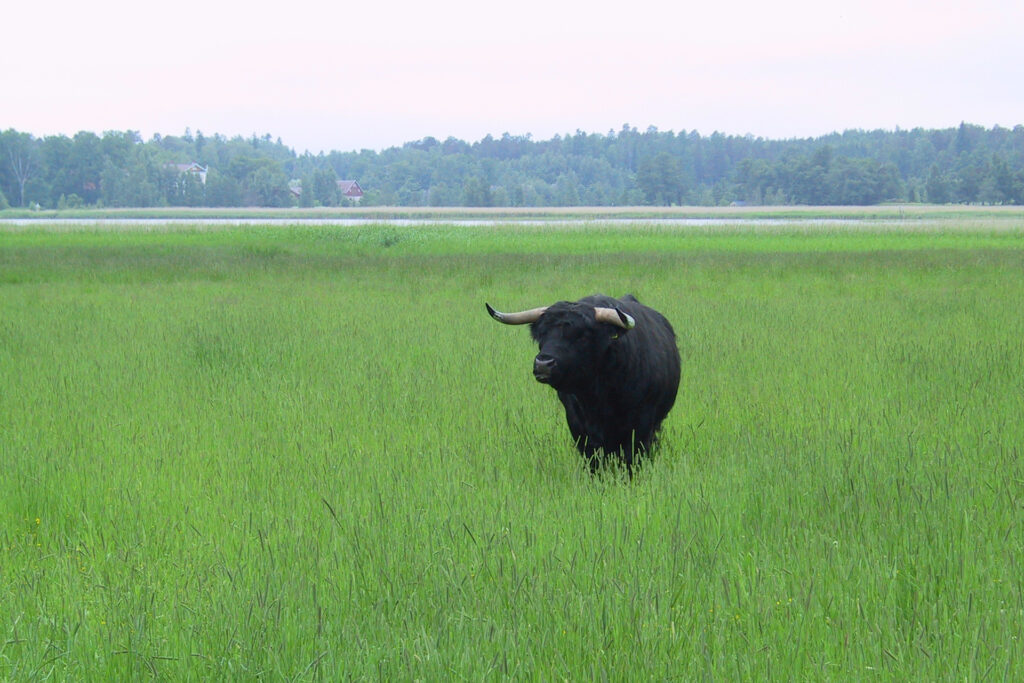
(573, 338)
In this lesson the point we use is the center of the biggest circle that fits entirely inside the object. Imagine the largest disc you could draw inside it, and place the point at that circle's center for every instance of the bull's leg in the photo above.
(634, 450)
(593, 455)
(636, 447)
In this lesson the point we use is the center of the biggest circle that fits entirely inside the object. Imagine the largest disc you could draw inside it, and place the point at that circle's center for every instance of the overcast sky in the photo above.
(352, 75)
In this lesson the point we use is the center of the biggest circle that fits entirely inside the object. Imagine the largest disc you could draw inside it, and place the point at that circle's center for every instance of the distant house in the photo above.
(350, 190)
(193, 169)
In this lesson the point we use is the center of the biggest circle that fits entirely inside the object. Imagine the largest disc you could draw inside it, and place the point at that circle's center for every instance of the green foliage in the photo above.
(223, 189)
(323, 187)
(268, 186)
(72, 202)
(307, 453)
(660, 179)
(968, 164)
(20, 167)
(477, 192)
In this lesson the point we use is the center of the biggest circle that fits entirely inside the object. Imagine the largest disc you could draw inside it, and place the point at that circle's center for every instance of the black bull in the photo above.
(615, 366)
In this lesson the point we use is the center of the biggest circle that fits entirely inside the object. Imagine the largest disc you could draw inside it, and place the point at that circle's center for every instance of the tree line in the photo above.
(964, 164)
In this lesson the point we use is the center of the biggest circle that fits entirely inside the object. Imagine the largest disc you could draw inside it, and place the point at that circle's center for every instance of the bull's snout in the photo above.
(542, 367)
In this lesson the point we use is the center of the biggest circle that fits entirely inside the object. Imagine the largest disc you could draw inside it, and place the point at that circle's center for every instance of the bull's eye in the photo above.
(585, 337)
(572, 334)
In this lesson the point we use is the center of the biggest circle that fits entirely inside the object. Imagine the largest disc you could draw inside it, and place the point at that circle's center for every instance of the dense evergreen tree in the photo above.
(967, 164)
(321, 188)
(660, 179)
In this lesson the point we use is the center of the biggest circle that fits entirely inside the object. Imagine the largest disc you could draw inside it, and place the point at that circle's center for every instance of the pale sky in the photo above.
(342, 76)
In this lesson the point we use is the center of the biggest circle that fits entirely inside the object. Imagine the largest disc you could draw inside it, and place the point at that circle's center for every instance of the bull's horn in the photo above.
(520, 318)
(614, 316)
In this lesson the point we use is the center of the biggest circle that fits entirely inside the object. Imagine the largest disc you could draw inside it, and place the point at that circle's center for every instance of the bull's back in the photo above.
(650, 354)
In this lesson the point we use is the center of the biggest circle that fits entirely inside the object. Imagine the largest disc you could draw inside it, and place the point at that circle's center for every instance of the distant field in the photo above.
(306, 452)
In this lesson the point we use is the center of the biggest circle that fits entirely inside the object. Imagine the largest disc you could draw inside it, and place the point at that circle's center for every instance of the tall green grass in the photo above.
(308, 453)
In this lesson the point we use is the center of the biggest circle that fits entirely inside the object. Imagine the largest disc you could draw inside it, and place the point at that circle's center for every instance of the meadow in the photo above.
(307, 453)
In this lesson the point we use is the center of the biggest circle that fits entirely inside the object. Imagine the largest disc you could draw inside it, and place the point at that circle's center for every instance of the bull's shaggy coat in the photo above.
(616, 381)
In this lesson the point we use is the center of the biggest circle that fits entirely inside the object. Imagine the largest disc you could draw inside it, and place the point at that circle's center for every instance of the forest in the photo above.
(968, 164)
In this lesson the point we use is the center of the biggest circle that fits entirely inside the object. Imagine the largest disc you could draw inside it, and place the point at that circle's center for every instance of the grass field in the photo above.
(308, 453)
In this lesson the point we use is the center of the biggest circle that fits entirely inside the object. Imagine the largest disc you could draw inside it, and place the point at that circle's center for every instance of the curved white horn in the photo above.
(614, 316)
(520, 318)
